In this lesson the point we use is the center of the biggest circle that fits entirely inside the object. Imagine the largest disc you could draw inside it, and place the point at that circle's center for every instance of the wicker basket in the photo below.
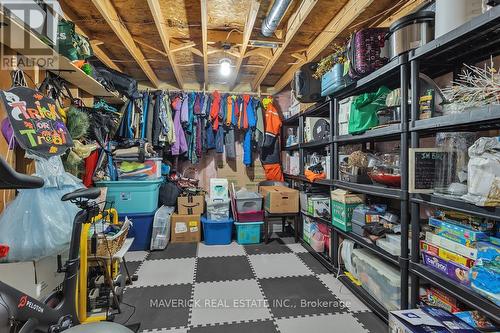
(108, 246)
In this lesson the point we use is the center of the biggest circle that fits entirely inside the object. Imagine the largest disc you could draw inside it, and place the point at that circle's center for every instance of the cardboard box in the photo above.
(445, 254)
(191, 205)
(280, 199)
(451, 245)
(343, 204)
(427, 319)
(36, 278)
(219, 188)
(452, 270)
(185, 228)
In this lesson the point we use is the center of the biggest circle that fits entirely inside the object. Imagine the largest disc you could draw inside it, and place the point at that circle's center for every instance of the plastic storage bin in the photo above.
(248, 233)
(218, 209)
(256, 216)
(141, 230)
(217, 232)
(133, 197)
(378, 278)
(251, 201)
(161, 228)
(149, 170)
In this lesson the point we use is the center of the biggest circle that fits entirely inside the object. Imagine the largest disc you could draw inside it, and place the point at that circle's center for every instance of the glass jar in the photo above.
(451, 170)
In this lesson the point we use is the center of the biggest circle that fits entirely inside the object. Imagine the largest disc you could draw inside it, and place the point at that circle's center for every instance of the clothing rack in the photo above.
(205, 91)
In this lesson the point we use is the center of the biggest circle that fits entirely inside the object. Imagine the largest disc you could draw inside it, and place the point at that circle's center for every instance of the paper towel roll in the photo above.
(452, 13)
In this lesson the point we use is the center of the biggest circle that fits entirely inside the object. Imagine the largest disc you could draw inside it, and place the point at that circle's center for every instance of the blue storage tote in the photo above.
(133, 196)
(142, 227)
(248, 232)
(217, 232)
(334, 80)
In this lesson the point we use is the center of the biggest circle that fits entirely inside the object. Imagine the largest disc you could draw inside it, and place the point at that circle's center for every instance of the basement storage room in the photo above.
(250, 166)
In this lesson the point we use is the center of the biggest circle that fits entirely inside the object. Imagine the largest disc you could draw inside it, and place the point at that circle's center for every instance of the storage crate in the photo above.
(141, 230)
(217, 232)
(248, 204)
(343, 204)
(248, 233)
(255, 216)
(161, 228)
(218, 209)
(133, 197)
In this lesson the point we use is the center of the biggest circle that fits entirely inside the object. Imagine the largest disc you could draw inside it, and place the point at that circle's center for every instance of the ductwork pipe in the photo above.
(274, 17)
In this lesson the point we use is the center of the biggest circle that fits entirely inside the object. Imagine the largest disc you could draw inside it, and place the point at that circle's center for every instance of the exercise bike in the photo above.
(22, 313)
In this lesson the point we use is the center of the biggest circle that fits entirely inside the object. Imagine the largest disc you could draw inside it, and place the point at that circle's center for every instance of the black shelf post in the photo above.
(414, 207)
(403, 158)
(301, 140)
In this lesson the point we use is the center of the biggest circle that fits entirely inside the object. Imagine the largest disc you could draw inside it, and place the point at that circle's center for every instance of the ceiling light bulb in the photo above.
(225, 67)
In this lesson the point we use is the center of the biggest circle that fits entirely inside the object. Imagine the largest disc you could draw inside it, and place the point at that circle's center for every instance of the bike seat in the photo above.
(83, 193)
(102, 327)
(10, 179)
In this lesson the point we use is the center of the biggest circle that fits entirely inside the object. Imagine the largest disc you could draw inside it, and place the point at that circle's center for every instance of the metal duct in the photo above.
(274, 17)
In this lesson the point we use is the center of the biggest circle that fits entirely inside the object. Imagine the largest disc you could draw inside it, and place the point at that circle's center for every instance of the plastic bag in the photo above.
(483, 176)
(37, 223)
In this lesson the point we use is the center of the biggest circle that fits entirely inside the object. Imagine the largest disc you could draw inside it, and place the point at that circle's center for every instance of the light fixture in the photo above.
(225, 66)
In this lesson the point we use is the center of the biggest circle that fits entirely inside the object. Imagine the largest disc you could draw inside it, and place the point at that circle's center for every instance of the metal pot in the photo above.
(410, 32)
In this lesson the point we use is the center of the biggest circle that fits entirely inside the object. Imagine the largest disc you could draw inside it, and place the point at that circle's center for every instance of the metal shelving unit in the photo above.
(470, 43)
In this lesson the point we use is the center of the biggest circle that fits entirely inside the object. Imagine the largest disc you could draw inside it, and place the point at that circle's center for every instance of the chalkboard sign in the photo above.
(422, 168)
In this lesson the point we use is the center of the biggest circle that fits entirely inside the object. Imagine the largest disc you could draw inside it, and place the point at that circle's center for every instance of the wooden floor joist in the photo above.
(204, 38)
(247, 32)
(108, 12)
(293, 26)
(161, 26)
(344, 18)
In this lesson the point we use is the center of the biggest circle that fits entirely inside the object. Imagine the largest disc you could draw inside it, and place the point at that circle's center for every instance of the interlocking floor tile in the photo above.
(156, 307)
(233, 249)
(275, 265)
(165, 272)
(339, 322)
(175, 251)
(298, 296)
(297, 248)
(136, 255)
(227, 302)
(223, 269)
(343, 293)
(371, 322)
(271, 248)
(313, 264)
(266, 326)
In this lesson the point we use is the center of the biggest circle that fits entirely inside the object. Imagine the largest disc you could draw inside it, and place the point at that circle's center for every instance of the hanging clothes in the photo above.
(219, 140)
(170, 134)
(210, 137)
(259, 128)
(248, 108)
(180, 145)
(149, 119)
(156, 120)
(229, 113)
(144, 119)
(270, 153)
(214, 110)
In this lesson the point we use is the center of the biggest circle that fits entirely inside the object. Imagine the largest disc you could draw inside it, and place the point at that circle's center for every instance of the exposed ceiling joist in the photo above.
(183, 46)
(300, 56)
(344, 18)
(247, 32)
(231, 53)
(204, 38)
(196, 51)
(99, 53)
(154, 6)
(408, 8)
(108, 12)
(293, 26)
(264, 53)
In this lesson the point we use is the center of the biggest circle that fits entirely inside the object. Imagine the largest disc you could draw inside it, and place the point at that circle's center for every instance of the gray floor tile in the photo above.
(165, 272)
(297, 248)
(371, 322)
(276, 265)
(339, 322)
(223, 269)
(343, 293)
(136, 255)
(271, 248)
(175, 251)
(298, 296)
(266, 326)
(233, 249)
(152, 306)
(227, 302)
(313, 264)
